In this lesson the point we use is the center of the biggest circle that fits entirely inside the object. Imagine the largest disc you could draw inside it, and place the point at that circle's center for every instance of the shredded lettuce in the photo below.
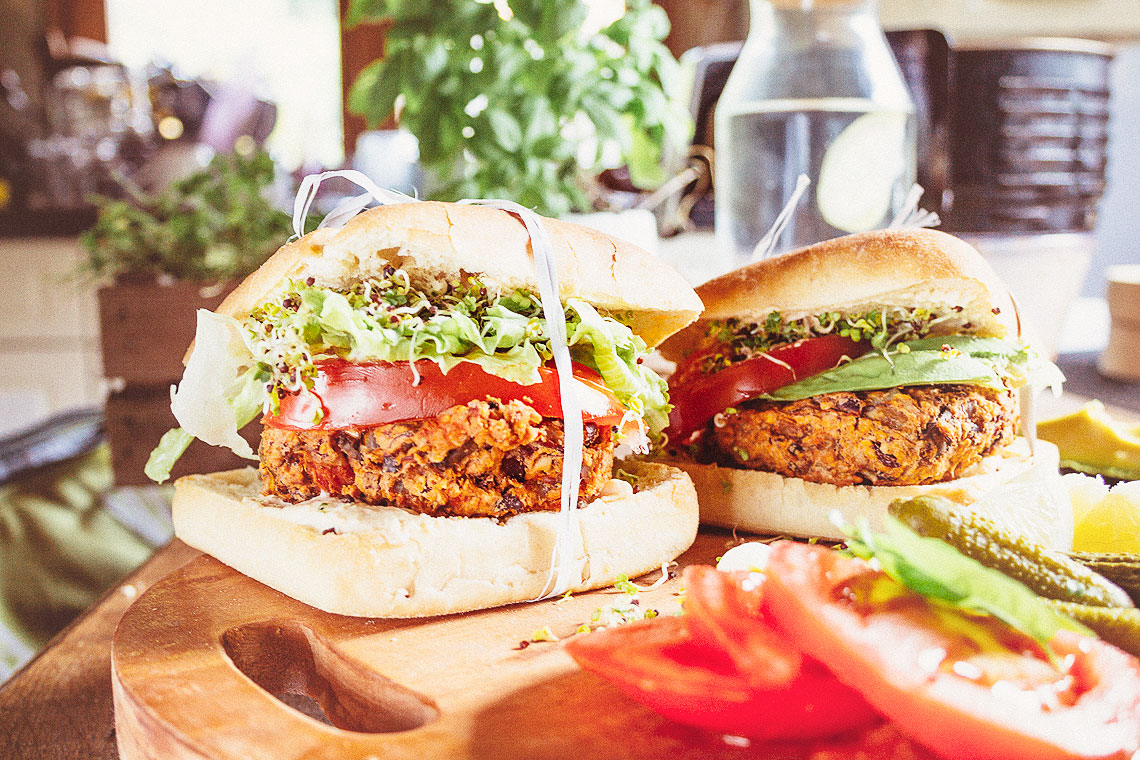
(616, 356)
(988, 362)
(733, 340)
(214, 399)
(170, 447)
(221, 391)
(505, 345)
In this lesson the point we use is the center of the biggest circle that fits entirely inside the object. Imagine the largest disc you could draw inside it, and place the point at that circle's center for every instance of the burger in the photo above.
(415, 426)
(854, 372)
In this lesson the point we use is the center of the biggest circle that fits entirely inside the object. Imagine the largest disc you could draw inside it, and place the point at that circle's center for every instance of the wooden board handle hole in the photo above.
(292, 662)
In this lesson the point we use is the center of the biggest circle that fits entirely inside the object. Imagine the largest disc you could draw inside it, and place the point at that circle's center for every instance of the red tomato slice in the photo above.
(675, 667)
(879, 743)
(657, 663)
(724, 608)
(376, 393)
(698, 397)
(959, 699)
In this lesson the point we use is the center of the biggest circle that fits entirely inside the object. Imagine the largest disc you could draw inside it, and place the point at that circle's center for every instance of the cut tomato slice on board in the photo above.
(657, 663)
(347, 394)
(724, 609)
(963, 687)
(879, 743)
(697, 397)
(674, 667)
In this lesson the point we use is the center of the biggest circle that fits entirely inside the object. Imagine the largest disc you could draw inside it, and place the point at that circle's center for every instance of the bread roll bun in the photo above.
(858, 273)
(436, 241)
(353, 559)
(1016, 491)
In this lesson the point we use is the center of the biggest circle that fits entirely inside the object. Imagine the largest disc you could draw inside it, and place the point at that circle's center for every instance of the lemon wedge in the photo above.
(1109, 524)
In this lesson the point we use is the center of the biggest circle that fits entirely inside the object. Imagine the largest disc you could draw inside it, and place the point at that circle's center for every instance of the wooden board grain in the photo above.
(198, 659)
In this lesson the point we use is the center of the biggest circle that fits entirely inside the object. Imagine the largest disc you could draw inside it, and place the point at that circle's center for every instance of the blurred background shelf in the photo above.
(1113, 20)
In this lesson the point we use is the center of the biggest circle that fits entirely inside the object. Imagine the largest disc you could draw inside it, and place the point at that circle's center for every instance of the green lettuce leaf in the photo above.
(940, 572)
(615, 355)
(988, 362)
(170, 447)
(212, 414)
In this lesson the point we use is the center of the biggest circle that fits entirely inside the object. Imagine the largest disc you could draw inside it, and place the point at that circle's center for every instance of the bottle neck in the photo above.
(796, 23)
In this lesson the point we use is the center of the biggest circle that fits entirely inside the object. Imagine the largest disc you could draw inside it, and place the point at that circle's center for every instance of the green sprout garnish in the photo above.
(883, 328)
(543, 634)
(625, 585)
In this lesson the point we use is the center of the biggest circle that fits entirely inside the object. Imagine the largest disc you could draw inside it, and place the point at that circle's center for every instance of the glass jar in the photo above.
(816, 91)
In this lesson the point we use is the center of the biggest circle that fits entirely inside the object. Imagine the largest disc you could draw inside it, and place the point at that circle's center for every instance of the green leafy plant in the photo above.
(215, 224)
(521, 99)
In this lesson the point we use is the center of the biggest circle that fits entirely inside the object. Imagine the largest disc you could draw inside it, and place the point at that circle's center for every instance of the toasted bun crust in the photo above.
(1018, 492)
(910, 268)
(434, 241)
(387, 562)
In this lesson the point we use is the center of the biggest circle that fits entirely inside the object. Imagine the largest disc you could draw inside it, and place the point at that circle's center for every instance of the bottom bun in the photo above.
(1018, 491)
(353, 559)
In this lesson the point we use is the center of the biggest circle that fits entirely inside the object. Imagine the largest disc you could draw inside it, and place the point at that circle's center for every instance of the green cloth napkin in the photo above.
(60, 548)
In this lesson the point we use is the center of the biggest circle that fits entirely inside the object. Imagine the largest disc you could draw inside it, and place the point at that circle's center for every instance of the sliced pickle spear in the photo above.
(1050, 574)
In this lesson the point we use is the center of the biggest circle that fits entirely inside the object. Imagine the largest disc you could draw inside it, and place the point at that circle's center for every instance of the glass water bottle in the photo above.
(816, 91)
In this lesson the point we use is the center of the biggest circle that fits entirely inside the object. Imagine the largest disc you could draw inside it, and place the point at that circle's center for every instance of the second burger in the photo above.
(860, 370)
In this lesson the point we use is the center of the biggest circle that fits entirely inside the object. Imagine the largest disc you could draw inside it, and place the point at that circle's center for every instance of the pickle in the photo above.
(1049, 574)
(1117, 626)
(1121, 569)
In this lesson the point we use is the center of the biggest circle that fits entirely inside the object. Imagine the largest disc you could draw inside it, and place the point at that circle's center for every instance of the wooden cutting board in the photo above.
(198, 659)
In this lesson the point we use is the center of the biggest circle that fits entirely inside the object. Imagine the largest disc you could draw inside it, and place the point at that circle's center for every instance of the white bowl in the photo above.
(1044, 272)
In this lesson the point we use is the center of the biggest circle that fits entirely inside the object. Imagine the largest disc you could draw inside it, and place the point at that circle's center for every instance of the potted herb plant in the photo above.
(163, 256)
(527, 100)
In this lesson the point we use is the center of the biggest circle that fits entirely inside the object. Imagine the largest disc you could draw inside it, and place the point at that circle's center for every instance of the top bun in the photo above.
(434, 241)
(858, 273)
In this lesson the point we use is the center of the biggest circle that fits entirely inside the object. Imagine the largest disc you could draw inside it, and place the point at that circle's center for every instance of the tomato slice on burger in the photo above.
(347, 394)
(697, 396)
(961, 693)
(675, 666)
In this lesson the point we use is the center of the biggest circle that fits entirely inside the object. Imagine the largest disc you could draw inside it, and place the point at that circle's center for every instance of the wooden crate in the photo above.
(146, 328)
(136, 421)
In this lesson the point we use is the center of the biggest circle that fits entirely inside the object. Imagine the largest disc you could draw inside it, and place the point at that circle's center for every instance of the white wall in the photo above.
(1118, 223)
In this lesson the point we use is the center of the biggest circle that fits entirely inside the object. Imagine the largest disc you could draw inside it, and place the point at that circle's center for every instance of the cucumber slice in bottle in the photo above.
(860, 171)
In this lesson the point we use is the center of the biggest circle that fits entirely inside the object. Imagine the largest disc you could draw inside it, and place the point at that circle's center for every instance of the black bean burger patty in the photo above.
(896, 437)
(483, 459)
